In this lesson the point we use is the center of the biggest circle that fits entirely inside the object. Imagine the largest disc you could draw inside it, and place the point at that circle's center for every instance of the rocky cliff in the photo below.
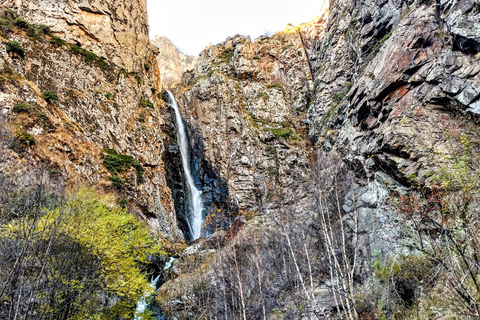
(382, 94)
(116, 30)
(171, 61)
(76, 84)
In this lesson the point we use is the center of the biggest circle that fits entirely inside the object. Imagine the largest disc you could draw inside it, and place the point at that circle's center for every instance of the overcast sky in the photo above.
(192, 24)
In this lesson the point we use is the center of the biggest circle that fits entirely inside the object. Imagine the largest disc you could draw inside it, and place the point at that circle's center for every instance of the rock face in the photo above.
(116, 30)
(100, 105)
(388, 87)
(171, 61)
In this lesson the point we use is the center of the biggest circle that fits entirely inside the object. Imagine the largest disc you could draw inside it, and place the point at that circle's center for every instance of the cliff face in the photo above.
(107, 102)
(172, 62)
(385, 90)
(116, 30)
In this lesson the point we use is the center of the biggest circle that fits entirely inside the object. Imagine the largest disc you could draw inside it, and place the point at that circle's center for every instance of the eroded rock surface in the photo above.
(171, 61)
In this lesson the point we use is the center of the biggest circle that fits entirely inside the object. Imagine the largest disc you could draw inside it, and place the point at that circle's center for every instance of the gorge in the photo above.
(327, 171)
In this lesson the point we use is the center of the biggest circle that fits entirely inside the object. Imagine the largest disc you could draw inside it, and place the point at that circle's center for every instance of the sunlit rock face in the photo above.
(172, 63)
(390, 86)
(116, 30)
(102, 104)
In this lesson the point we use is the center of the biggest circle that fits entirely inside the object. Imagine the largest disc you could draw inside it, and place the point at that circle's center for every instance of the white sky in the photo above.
(192, 24)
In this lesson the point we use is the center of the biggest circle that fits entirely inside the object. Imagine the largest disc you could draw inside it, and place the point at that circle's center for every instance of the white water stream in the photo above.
(194, 210)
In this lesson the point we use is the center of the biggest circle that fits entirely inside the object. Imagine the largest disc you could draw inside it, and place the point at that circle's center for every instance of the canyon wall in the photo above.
(386, 90)
(98, 61)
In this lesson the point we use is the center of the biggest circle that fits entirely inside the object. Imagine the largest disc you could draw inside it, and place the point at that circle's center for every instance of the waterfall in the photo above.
(142, 304)
(194, 203)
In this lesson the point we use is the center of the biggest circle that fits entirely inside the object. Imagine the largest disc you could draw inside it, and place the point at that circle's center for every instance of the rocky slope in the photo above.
(102, 97)
(389, 87)
(116, 30)
(171, 61)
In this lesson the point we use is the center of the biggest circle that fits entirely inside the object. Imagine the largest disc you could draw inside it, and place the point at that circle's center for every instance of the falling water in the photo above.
(194, 211)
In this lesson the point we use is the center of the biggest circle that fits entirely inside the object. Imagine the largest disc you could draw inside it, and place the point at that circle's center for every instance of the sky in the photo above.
(192, 24)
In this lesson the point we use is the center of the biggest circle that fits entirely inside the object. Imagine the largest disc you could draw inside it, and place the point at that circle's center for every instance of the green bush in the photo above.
(115, 163)
(45, 29)
(50, 96)
(21, 23)
(146, 104)
(337, 97)
(282, 133)
(147, 66)
(227, 55)
(270, 149)
(116, 181)
(108, 95)
(386, 37)
(22, 107)
(58, 41)
(25, 138)
(276, 85)
(10, 14)
(15, 47)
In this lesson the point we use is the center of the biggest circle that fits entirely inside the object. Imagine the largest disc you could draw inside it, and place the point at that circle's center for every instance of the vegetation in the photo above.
(386, 37)
(116, 181)
(50, 96)
(22, 107)
(117, 163)
(146, 104)
(282, 133)
(58, 41)
(226, 55)
(271, 149)
(147, 66)
(108, 95)
(16, 48)
(76, 256)
(276, 85)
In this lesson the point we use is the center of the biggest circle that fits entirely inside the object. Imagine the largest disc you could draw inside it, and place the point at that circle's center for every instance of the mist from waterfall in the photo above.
(194, 202)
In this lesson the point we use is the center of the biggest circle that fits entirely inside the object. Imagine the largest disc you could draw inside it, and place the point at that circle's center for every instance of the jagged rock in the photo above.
(99, 103)
(116, 30)
(171, 61)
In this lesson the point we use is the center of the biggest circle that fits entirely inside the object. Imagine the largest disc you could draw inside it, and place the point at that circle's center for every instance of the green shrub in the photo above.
(146, 104)
(50, 96)
(115, 163)
(337, 97)
(58, 41)
(122, 202)
(262, 95)
(10, 14)
(6, 24)
(25, 138)
(45, 29)
(75, 49)
(271, 149)
(154, 91)
(256, 57)
(227, 55)
(21, 23)
(282, 133)
(147, 66)
(276, 85)
(34, 32)
(15, 47)
(22, 107)
(103, 64)
(108, 95)
(116, 181)
(386, 37)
